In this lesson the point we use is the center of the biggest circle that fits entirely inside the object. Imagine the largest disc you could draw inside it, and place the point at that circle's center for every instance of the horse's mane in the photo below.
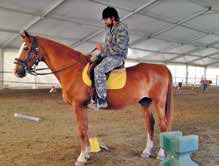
(72, 53)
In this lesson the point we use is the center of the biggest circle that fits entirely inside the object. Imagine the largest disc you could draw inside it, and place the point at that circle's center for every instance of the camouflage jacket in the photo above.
(116, 42)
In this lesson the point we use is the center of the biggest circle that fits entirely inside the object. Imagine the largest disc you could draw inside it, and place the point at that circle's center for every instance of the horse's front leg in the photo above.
(82, 122)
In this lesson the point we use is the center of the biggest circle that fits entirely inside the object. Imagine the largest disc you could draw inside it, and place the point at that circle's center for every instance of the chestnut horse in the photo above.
(146, 84)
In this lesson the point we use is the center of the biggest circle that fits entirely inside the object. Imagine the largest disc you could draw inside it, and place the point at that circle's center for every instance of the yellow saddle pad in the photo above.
(116, 80)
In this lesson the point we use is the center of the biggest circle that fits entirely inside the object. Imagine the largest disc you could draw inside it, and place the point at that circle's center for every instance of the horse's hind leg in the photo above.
(160, 107)
(149, 118)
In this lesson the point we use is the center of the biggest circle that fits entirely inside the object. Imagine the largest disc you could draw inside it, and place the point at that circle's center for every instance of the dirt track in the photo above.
(53, 141)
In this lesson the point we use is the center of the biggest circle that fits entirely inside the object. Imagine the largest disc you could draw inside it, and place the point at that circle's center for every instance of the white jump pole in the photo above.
(27, 117)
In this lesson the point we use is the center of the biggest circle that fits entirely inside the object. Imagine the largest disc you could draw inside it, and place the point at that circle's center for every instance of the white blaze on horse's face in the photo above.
(21, 49)
(19, 70)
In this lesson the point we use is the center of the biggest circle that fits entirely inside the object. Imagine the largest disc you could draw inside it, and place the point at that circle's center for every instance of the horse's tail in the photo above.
(169, 103)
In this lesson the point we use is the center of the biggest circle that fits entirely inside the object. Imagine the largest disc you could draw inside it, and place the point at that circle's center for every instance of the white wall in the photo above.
(46, 80)
(9, 78)
(129, 63)
(195, 74)
(178, 73)
(213, 74)
(29, 81)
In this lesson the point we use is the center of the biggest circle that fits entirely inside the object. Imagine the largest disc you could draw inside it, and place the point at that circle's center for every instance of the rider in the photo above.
(113, 54)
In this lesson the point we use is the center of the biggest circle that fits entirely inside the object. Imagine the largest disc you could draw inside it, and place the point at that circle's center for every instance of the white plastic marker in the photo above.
(53, 89)
(27, 117)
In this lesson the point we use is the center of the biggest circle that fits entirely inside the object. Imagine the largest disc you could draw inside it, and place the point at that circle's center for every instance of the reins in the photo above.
(32, 70)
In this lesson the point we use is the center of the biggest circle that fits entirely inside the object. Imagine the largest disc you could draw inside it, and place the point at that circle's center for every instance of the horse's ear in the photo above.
(26, 34)
(22, 35)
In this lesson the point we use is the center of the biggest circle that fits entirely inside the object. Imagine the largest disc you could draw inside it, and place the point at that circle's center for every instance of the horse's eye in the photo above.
(25, 48)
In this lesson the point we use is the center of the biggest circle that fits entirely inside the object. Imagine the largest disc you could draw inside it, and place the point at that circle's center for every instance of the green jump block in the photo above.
(165, 139)
(178, 148)
(186, 144)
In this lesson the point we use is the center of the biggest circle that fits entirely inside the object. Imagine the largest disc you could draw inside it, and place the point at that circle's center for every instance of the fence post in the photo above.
(34, 86)
(1, 68)
(187, 74)
(216, 80)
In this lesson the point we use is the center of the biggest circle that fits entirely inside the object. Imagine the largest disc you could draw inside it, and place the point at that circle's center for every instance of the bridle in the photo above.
(34, 49)
(32, 70)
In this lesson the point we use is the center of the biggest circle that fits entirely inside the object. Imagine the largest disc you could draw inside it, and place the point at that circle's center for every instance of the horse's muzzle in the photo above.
(20, 72)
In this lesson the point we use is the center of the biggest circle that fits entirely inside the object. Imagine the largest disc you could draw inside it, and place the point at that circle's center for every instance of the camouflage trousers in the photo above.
(106, 65)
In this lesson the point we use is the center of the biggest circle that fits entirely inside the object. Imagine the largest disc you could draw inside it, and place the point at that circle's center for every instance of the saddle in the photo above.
(90, 73)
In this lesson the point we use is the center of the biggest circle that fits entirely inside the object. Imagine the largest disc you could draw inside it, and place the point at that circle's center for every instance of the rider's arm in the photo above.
(104, 52)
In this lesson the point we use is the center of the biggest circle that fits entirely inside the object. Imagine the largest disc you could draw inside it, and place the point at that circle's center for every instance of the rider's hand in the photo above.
(93, 58)
(99, 47)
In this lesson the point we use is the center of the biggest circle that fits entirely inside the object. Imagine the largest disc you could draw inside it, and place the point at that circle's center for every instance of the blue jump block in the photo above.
(178, 148)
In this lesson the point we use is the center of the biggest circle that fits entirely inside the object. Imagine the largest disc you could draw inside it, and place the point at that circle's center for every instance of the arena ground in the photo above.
(53, 141)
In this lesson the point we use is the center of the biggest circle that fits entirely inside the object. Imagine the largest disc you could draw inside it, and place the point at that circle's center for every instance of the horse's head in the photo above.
(29, 55)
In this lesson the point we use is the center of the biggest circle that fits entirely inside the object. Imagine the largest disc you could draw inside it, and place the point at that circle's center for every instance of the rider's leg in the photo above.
(107, 64)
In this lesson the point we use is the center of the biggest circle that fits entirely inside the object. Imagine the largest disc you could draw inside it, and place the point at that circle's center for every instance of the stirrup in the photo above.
(92, 105)
(98, 104)
(101, 103)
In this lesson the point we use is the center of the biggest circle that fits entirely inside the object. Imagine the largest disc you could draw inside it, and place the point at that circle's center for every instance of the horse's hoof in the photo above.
(80, 163)
(87, 158)
(161, 158)
(145, 155)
